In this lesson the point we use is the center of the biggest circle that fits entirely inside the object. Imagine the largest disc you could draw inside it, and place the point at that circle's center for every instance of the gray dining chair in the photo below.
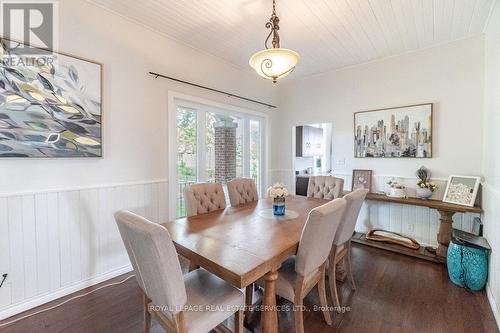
(178, 302)
(341, 248)
(302, 272)
(204, 198)
(242, 191)
(325, 187)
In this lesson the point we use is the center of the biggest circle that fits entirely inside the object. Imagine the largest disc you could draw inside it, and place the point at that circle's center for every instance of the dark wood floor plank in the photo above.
(395, 293)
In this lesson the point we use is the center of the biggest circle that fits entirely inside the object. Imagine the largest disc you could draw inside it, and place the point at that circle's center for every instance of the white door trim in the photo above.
(173, 100)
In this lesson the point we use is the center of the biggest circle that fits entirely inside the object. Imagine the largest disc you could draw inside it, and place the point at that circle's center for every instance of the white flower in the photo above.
(277, 190)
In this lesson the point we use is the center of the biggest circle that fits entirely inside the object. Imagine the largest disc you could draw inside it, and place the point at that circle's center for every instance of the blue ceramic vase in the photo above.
(279, 206)
(467, 266)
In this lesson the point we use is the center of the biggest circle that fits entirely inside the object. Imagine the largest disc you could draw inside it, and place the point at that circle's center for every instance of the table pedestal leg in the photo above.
(444, 234)
(269, 321)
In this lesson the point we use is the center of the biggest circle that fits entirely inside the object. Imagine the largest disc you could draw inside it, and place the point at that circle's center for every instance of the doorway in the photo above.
(215, 143)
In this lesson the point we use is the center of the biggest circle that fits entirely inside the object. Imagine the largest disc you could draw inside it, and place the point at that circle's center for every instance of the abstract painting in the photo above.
(51, 108)
(462, 190)
(395, 132)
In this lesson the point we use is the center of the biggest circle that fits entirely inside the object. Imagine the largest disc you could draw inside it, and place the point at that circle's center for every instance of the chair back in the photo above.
(204, 198)
(325, 187)
(241, 191)
(154, 258)
(317, 236)
(354, 200)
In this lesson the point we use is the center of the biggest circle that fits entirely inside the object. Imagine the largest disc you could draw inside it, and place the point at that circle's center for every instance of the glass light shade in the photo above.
(274, 63)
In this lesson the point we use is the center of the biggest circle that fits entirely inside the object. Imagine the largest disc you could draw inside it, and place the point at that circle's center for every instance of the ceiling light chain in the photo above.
(276, 62)
(273, 24)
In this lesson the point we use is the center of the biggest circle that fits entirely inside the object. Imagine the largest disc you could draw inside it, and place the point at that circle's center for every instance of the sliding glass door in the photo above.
(216, 145)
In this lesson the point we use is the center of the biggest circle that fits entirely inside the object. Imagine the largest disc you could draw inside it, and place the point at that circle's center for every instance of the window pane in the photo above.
(210, 147)
(255, 152)
(187, 167)
(239, 147)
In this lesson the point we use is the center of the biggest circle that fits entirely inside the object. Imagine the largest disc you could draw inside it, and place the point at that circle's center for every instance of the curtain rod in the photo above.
(156, 75)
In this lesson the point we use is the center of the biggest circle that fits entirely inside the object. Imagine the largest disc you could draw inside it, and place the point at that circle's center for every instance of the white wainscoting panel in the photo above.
(420, 223)
(56, 242)
(491, 218)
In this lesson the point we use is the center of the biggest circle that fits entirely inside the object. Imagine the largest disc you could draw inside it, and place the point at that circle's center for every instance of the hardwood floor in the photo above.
(395, 293)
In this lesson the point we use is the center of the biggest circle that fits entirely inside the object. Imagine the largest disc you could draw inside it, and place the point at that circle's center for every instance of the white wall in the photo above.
(491, 155)
(450, 76)
(63, 207)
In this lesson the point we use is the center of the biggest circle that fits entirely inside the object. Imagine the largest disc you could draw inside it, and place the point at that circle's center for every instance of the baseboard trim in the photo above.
(15, 309)
(493, 305)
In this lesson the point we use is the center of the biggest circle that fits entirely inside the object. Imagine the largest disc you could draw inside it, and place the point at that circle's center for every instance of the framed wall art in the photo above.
(50, 108)
(404, 131)
(361, 179)
(462, 190)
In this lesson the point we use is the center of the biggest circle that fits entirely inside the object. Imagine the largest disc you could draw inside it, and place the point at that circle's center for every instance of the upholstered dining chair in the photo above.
(300, 273)
(241, 191)
(176, 301)
(204, 198)
(325, 187)
(341, 247)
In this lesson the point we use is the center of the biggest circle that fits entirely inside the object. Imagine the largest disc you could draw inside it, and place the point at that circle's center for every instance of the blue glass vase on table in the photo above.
(278, 193)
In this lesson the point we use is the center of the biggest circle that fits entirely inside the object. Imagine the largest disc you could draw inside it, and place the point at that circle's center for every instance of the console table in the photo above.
(446, 212)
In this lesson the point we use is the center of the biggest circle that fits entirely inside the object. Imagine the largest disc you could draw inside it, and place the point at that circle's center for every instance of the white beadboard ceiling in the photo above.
(328, 34)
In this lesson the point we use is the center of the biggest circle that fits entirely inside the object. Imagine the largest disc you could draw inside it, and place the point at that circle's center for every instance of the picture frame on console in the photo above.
(462, 190)
(361, 179)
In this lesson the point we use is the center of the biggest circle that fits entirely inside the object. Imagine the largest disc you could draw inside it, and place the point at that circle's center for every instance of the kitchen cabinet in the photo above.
(308, 141)
(301, 184)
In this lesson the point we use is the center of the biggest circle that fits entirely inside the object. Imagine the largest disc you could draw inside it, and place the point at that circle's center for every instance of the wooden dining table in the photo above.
(245, 243)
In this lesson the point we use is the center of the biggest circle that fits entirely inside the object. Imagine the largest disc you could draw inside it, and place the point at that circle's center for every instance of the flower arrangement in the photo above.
(396, 190)
(394, 184)
(425, 186)
(424, 177)
(277, 191)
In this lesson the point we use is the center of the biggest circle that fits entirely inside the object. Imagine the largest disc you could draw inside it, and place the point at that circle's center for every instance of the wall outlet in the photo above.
(341, 162)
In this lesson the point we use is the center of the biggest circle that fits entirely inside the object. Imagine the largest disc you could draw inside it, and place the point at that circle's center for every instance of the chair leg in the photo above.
(238, 321)
(193, 267)
(147, 315)
(332, 278)
(298, 315)
(322, 297)
(349, 266)
(248, 302)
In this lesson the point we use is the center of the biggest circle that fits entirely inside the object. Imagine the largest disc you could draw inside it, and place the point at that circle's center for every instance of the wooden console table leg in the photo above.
(269, 322)
(444, 234)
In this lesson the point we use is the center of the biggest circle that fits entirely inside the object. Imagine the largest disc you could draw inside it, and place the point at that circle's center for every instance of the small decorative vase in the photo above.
(279, 206)
(424, 193)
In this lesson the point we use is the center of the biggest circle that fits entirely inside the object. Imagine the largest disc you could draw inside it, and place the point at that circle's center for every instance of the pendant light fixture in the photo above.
(276, 62)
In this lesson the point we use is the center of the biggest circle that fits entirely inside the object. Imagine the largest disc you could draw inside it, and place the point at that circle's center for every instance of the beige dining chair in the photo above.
(180, 303)
(204, 198)
(241, 191)
(325, 187)
(300, 273)
(341, 247)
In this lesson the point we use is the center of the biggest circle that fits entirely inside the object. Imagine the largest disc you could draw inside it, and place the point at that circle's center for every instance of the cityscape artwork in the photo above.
(396, 132)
